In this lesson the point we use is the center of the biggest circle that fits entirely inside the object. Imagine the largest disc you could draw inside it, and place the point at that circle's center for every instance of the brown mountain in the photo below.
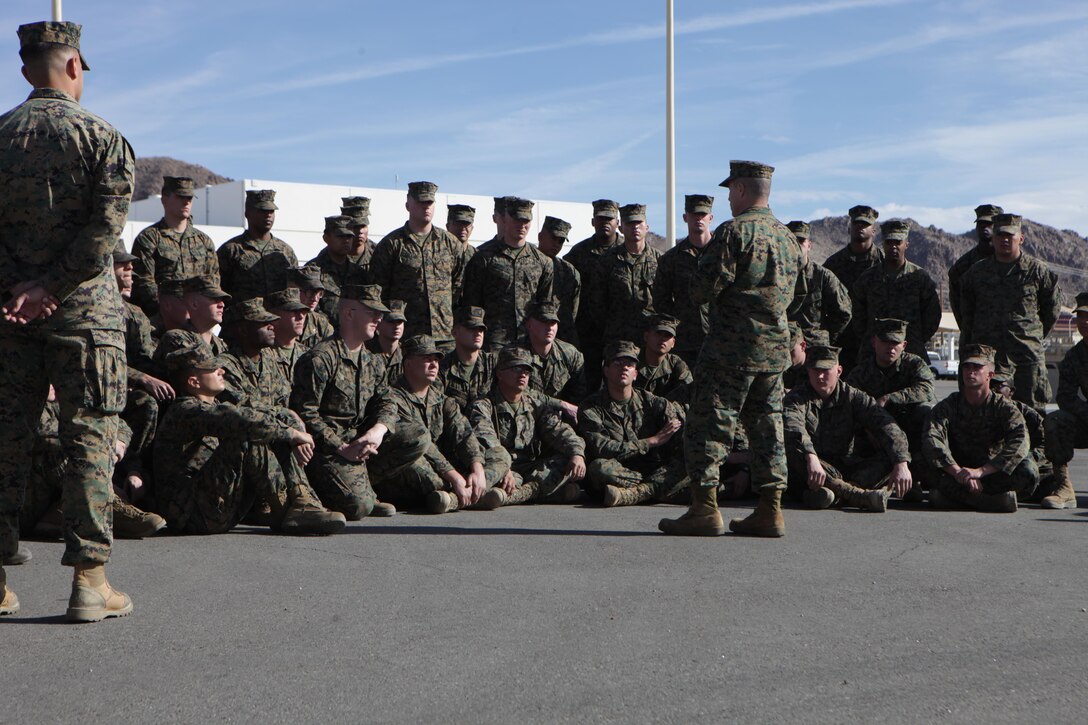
(151, 169)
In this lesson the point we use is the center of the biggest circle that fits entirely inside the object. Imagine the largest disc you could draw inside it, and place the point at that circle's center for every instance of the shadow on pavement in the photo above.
(52, 619)
(362, 528)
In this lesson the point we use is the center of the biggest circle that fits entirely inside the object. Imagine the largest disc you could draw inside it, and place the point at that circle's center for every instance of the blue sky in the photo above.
(922, 108)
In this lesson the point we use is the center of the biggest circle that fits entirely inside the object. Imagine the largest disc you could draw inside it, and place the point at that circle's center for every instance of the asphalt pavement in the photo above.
(573, 614)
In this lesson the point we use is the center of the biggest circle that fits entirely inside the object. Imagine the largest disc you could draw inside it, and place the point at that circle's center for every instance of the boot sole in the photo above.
(664, 526)
(323, 529)
(96, 615)
(1059, 506)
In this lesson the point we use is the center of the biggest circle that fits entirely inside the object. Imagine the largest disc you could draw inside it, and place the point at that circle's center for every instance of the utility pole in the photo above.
(670, 134)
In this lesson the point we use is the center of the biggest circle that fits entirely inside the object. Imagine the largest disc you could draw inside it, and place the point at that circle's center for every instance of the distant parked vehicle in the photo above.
(942, 368)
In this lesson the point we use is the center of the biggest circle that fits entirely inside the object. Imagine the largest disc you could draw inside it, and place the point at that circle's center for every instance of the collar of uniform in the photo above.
(256, 244)
(418, 238)
(53, 93)
(166, 231)
(347, 355)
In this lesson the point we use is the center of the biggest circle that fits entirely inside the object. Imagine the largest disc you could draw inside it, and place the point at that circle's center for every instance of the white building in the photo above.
(219, 211)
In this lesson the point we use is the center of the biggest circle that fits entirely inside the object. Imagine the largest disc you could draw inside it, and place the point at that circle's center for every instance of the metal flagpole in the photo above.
(56, 11)
(670, 134)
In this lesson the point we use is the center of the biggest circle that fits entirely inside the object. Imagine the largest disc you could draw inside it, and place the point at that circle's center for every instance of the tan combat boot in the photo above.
(996, 503)
(93, 599)
(303, 518)
(130, 522)
(818, 498)
(1065, 497)
(383, 510)
(9, 603)
(617, 496)
(865, 499)
(441, 502)
(570, 492)
(766, 520)
(492, 499)
(702, 517)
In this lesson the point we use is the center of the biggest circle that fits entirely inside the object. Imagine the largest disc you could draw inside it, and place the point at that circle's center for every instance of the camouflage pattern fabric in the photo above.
(214, 460)
(972, 436)
(1067, 427)
(615, 434)
(585, 255)
(748, 275)
(504, 281)
(139, 344)
(620, 301)
(465, 384)
(286, 359)
(559, 374)
(567, 288)
(1011, 307)
(824, 303)
(394, 363)
(529, 430)
(426, 271)
(339, 394)
(847, 268)
(259, 383)
(907, 294)
(317, 328)
(665, 377)
(251, 268)
(955, 277)
(908, 383)
(833, 429)
(163, 254)
(452, 445)
(355, 269)
(67, 177)
(675, 269)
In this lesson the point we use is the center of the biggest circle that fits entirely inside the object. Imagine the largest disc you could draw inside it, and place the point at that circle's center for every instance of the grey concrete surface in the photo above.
(573, 614)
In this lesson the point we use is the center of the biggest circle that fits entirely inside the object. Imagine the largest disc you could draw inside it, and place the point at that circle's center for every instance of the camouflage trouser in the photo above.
(1022, 481)
(87, 369)
(214, 499)
(344, 485)
(542, 475)
(721, 400)
(408, 488)
(667, 479)
(142, 415)
(862, 472)
(1032, 385)
(1065, 432)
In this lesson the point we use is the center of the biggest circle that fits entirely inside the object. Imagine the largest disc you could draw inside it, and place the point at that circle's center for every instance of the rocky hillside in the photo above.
(151, 169)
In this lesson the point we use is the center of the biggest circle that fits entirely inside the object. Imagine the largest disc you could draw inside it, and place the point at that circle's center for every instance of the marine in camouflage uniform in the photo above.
(566, 282)
(254, 375)
(255, 263)
(386, 344)
(848, 264)
(660, 371)
(899, 382)
(978, 442)
(584, 257)
(335, 262)
(621, 299)
(341, 395)
(504, 278)
(1067, 427)
(630, 434)
(1002, 384)
(460, 221)
(897, 289)
(558, 367)
(455, 470)
(311, 290)
(675, 269)
(547, 456)
(824, 302)
(466, 372)
(165, 254)
(830, 420)
(748, 276)
(214, 460)
(1009, 302)
(424, 266)
(287, 307)
(984, 233)
(67, 179)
